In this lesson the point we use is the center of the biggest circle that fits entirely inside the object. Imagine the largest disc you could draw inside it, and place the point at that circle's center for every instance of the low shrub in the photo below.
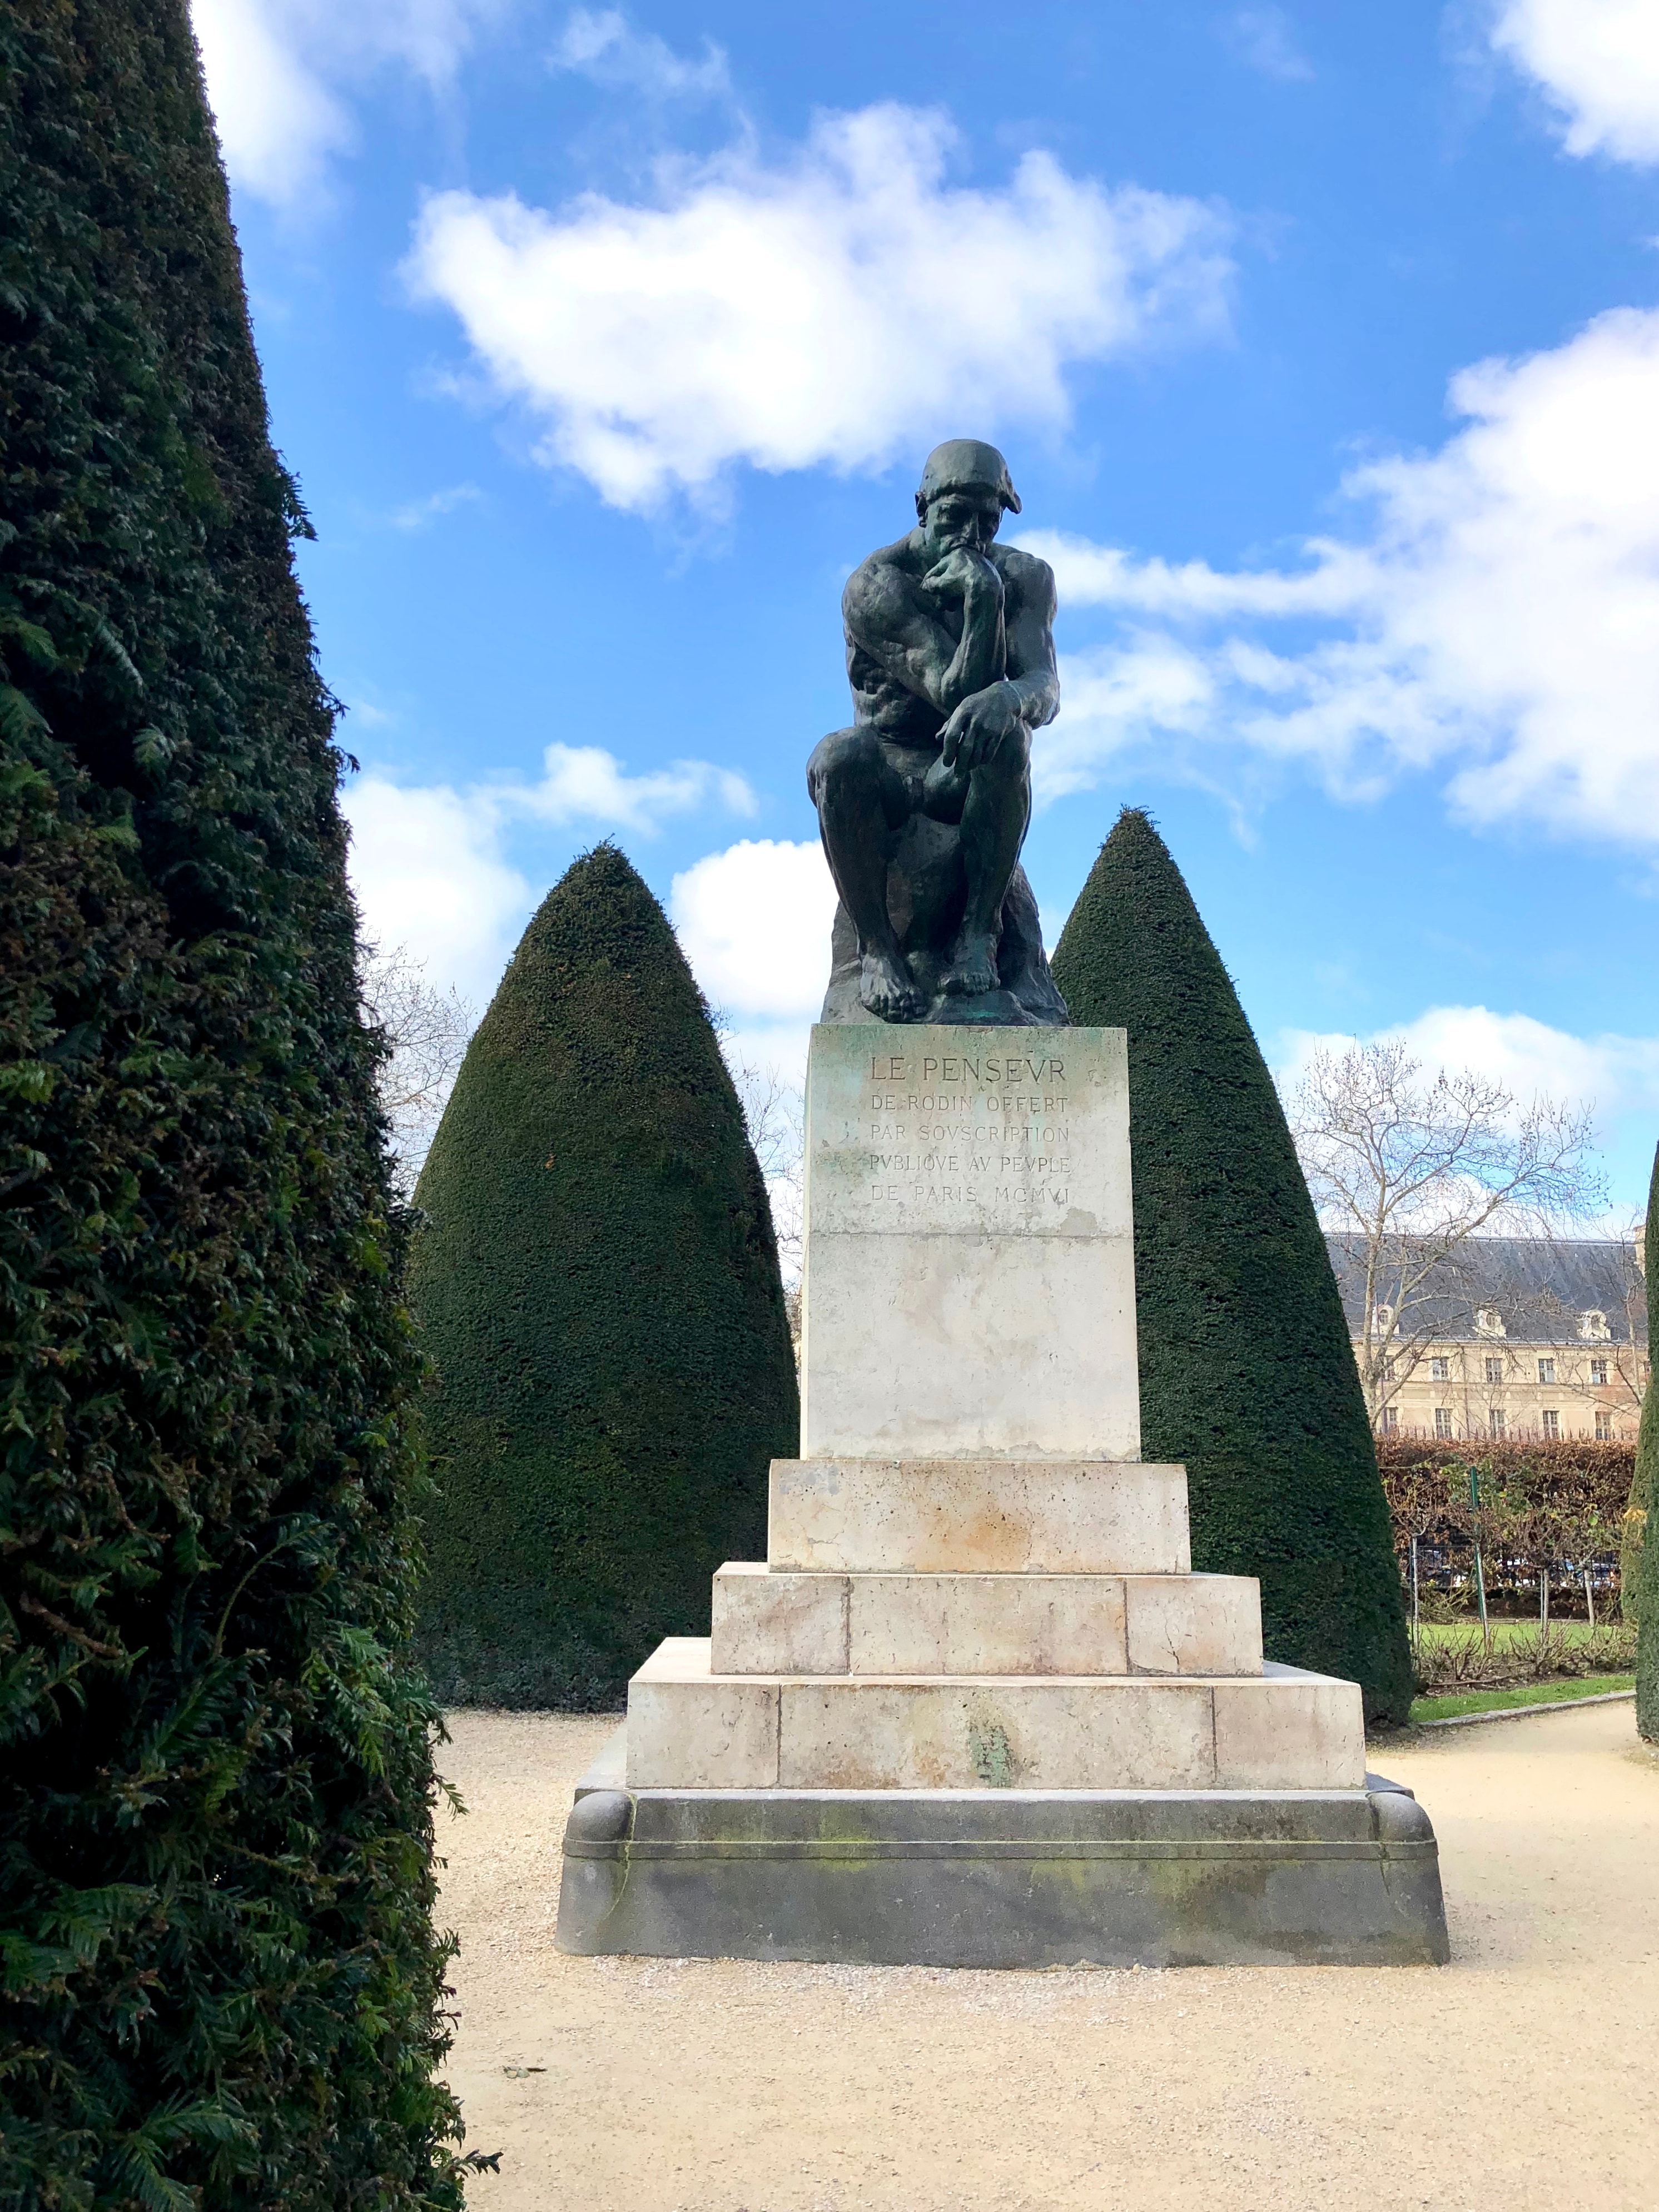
(1467, 1660)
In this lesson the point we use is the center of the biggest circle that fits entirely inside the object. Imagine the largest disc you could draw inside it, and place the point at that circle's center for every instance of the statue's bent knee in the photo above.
(844, 756)
(1013, 757)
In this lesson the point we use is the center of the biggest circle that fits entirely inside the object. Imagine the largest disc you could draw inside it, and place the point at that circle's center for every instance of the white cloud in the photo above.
(427, 866)
(1612, 1074)
(1597, 63)
(1496, 617)
(278, 122)
(420, 512)
(1142, 692)
(585, 782)
(602, 45)
(277, 70)
(826, 309)
(1265, 38)
(1105, 576)
(754, 923)
(428, 863)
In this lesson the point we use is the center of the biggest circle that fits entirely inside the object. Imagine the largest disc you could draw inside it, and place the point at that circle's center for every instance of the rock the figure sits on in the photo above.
(923, 802)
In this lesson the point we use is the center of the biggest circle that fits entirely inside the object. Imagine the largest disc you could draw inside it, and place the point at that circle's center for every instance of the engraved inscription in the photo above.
(967, 1128)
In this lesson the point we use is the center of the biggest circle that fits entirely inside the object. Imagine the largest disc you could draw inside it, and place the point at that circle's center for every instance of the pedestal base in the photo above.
(1285, 1729)
(1002, 1877)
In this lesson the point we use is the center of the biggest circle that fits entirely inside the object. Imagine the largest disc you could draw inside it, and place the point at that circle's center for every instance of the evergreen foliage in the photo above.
(1643, 1570)
(597, 1290)
(1246, 1371)
(222, 1982)
(1633, 1544)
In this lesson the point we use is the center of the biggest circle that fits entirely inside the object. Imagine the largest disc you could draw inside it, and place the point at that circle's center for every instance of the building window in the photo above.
(1495, 1424)
(1387, 1370)
(1594, 1325)
(1382, 1320)
(1604, 1428)
(1443, 1427)
(1488, 1321)
(1598, 1370)
(1547, 1370)
(1440, 1370)
(1552, 1421)
(1391, 1420)
(1494, 1370)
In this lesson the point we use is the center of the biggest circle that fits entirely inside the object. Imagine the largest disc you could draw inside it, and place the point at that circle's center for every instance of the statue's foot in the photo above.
(972, 968)
(888, 989)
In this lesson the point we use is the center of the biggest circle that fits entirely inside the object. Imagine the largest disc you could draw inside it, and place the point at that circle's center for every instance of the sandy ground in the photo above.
(1525, 2074)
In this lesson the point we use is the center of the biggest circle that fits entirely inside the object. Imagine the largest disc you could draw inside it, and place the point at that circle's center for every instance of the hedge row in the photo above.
(1572, 1467)
(1555, 1505)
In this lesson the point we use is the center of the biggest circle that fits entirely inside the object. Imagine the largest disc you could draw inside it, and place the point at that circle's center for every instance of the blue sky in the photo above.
(1323, 342)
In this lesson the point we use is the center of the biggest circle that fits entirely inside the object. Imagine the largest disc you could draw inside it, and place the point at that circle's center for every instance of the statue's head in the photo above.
(967, 474)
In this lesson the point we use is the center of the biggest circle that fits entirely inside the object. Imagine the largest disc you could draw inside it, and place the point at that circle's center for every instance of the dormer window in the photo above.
(1593, 1326)
(1488, 1321)
(1382, 1320)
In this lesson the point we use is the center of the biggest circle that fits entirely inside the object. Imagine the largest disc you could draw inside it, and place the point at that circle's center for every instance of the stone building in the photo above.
(1518, 1338)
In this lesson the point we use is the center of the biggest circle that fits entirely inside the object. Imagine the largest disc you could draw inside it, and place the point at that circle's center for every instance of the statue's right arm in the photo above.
(884, 614)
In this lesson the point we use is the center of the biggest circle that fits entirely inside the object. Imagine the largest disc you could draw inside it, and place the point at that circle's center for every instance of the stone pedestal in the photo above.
(970, 1284)
(976, 1708)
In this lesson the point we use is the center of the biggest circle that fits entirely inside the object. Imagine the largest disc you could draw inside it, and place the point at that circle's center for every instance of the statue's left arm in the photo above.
(1028, 695)
(1030, 622)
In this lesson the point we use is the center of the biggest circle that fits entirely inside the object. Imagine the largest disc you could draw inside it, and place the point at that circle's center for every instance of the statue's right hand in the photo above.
(959, 571)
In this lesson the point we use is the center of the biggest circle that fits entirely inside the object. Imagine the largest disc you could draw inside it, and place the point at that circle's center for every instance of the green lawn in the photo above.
(1508, 1631)
(1525, 1693)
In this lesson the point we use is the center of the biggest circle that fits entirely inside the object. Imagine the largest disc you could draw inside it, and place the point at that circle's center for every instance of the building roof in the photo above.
(1540, 1287)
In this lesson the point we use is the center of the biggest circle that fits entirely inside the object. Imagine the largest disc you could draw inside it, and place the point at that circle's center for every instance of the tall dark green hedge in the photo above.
(1640, 1573)
(1246, 1374)
(597, 1288)
(221, 1982)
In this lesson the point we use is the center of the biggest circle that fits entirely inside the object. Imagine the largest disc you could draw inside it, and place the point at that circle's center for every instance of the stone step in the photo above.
(1002, 1877)
(690, 1729)
(1097, 1516)
(776, 1620)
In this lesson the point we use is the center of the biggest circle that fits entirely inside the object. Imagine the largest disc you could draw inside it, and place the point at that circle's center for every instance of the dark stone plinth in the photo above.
(1003, 1878)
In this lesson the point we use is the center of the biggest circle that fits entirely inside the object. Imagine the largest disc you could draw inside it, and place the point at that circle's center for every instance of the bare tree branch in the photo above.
(1406, 1170)
(775, 1112)
(427, 1031)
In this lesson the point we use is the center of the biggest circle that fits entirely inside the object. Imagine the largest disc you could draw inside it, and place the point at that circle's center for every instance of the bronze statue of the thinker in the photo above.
(923, 803)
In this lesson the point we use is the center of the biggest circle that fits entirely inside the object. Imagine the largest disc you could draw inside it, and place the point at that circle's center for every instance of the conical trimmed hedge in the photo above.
(597, 1288)
(1246, 1374)
(222, 1982)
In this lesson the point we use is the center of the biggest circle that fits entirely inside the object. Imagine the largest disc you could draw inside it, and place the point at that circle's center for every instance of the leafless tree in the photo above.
(775, 1111)
(427, 1032)
(1406, 1168)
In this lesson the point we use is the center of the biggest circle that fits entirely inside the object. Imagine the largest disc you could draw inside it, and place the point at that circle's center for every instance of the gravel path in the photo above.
(1521, 2075)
